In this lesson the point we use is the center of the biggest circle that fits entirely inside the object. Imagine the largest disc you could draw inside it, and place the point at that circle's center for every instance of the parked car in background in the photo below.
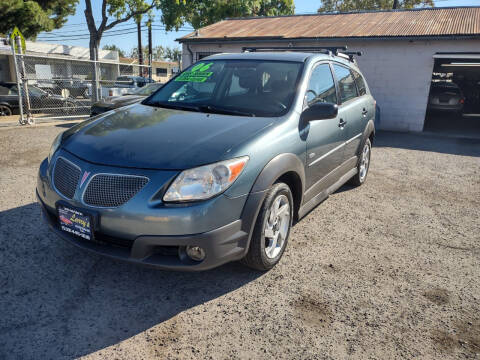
(114, 102)
(66, 87)
(125, 85)
(445, 96)
(40, 100)
(214, 166)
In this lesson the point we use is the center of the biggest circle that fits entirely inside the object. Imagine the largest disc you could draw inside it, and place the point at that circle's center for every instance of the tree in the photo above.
(33, 17)
(120, 10)
(121, 53)
(134, 52)
(200, 13)
(159, 53)
(354, 5)
(173, 54)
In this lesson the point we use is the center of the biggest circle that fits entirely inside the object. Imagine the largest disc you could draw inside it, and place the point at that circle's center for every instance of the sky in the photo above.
(72, 33)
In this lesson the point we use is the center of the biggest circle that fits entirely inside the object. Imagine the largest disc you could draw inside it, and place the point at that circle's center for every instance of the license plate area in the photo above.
(76, 222)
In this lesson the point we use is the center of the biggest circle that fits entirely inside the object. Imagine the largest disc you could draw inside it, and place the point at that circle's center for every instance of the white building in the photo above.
(401, 50)
(55, 57)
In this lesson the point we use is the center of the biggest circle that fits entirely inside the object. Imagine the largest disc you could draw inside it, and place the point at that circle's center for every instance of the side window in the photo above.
(362, 89)
(13, 90)
(4, 90)
(346, 83)
(321, 87)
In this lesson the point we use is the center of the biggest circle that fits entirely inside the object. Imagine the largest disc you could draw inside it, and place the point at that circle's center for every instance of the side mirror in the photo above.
(320, 111)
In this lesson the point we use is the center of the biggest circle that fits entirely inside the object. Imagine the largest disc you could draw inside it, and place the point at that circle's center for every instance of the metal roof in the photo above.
(428, 22)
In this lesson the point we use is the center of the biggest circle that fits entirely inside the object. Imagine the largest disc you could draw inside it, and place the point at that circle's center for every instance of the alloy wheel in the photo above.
(364, 162)
(277, 226)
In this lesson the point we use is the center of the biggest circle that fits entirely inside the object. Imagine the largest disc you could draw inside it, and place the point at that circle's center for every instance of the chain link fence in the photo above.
(60, 88)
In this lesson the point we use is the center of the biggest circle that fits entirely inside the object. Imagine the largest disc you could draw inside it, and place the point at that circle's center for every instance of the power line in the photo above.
(117, 27)
(112, 32)
(64, 34)
(85, 37)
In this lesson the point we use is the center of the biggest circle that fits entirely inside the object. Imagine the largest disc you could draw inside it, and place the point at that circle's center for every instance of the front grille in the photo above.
(65, 177)
(106, 190)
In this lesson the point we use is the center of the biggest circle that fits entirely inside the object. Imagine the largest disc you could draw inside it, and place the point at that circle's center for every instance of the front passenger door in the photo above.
(325, 139)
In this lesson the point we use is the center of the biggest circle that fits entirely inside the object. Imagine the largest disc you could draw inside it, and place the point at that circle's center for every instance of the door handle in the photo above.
(342, 123)
(364, 112)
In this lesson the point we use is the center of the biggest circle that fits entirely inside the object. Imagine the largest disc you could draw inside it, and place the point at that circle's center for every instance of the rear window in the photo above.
(444, 90)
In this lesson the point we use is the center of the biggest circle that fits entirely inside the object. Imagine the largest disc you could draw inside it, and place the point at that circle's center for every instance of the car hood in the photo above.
(141, 136)
(114, 102)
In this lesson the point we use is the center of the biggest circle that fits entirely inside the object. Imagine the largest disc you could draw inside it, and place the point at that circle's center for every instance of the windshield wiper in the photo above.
(174, 106)
(220, 110)
(200, 108)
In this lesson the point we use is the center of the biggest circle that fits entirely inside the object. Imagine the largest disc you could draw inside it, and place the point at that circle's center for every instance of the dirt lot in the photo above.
(389, 270)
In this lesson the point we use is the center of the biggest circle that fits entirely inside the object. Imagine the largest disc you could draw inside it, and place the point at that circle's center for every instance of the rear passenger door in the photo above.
(355, 103)
(325, 137)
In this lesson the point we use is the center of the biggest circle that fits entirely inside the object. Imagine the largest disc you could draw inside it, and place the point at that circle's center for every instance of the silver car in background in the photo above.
(445, 97)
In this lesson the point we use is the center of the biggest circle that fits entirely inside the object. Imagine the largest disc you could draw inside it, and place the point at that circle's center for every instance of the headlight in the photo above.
(206, 181)
(55, 145)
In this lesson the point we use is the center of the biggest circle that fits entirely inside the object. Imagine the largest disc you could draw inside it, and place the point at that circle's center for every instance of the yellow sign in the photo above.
(13, 37)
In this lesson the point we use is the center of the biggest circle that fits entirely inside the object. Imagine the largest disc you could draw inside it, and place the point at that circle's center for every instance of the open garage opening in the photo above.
(454, 101)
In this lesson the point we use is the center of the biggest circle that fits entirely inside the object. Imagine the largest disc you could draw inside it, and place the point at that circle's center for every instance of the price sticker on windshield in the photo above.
(199, 73)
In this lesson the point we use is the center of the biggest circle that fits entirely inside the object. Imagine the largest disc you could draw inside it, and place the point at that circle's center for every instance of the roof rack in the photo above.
(334, 50)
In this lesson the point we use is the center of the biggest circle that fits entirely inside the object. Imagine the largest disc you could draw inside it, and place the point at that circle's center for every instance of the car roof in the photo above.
(267, 55)
(279, 56)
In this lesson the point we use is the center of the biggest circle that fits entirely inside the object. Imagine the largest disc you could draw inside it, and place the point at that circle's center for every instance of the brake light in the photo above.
(462, 101)
(110, 92)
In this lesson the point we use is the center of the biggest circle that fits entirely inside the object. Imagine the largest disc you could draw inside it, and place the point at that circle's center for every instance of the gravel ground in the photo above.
(388, 270)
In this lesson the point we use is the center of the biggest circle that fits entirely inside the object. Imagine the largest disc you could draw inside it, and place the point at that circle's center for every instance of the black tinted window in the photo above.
(445, 89)
(346, 83)
(362, 89)
(321, 87)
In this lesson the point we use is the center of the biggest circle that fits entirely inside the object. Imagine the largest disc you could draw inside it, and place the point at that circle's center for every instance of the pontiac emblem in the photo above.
(84, 177)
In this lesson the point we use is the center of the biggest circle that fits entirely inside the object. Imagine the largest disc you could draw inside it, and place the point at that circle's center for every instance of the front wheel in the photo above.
(363, 164)
(5, 110)
(272, 228)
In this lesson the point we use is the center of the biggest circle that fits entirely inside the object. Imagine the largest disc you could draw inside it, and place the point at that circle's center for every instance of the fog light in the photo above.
(195, 253)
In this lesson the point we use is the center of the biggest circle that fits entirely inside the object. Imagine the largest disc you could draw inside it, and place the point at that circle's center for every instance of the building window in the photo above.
(201, 55)
(161, 71)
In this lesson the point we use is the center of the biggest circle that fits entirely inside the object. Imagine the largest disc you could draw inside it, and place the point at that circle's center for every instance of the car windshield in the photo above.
(232, 87)
(36, 91)
(147, 89)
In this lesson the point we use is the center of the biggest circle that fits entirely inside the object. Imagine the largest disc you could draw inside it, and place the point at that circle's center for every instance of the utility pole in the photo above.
(150, 56)
(395, 4)
(140, 49)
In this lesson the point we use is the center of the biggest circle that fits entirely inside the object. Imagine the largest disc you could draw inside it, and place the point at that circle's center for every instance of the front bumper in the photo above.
(222, 245)
(156, 236)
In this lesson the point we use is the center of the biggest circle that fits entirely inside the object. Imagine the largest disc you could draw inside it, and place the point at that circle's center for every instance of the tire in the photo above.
(363, 164)
(69, 107)
(5, 110)
(262, 254)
